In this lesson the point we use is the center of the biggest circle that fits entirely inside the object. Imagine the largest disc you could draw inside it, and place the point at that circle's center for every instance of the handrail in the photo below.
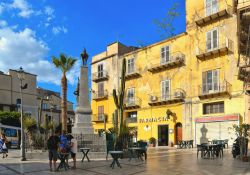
(98, 94)
(210, 88)
(99, 75)
(174, 57)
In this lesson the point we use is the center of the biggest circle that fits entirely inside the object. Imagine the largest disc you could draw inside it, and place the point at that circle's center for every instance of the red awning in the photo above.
(217, 119)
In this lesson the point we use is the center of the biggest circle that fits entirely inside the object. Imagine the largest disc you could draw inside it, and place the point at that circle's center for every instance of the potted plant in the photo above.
(152, 141)
(242, 132)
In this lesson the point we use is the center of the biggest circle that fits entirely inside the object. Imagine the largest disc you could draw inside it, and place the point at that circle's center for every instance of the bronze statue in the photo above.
(85, 57)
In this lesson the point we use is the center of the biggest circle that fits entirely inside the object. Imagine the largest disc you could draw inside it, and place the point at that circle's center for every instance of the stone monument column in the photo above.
(83, 123)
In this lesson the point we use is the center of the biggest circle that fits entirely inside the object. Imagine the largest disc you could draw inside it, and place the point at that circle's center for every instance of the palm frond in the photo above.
(56, 61)
(70, 63)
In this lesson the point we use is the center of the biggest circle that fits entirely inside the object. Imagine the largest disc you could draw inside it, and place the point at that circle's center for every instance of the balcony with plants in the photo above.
(164, 99)
(100, 76)
(176, 59)
(212, 11)
(212, 90)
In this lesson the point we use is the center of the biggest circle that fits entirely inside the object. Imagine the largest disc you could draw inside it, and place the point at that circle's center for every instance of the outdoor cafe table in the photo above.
(85, 152)
(134, 152)
(63, 164)
(115, 155)
(185, 143)
(210, 150)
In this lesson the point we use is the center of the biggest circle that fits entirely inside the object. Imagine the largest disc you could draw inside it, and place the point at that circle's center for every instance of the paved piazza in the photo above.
(160, 161)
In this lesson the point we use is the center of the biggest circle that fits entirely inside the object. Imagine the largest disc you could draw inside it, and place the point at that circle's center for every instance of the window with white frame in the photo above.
(210, 81)
(165, 90)
(100, 70)
(131, 96)
(165, 54)
(211, 7)
(131, 65)
(212, 39)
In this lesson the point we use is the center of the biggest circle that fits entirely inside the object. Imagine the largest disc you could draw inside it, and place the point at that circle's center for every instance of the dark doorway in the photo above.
(178, 135)
(163, 135)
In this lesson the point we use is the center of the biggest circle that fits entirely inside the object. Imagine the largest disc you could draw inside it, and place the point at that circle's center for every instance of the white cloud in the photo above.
(49, 11)
(22, 48)
(24, 7)
(3, 23)
(58, 29)
(1, 8)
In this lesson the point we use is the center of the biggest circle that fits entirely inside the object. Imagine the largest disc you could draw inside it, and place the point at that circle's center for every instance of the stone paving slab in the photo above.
(179, 162)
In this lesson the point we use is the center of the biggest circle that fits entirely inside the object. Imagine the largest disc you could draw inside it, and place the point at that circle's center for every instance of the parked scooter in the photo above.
(236, 148)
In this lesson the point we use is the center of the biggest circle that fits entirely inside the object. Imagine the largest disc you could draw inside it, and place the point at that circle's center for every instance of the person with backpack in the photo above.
(64, 143)
(53, 145)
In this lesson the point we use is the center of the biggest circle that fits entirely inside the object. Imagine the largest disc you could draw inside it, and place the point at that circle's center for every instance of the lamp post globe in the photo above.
(21, 77)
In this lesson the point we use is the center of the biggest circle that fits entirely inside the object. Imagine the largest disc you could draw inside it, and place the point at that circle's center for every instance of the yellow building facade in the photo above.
(182, 88)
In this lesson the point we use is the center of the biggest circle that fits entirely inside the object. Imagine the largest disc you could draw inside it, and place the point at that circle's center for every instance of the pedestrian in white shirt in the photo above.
(73, 150)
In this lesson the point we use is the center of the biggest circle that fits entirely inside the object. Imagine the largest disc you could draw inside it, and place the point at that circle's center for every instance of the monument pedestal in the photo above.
(83, 123)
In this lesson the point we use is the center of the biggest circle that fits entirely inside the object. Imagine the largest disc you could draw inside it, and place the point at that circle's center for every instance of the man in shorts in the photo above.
(73, 149)
(53, 145)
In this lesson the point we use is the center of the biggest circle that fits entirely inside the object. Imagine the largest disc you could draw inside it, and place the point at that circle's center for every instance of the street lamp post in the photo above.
(21, 77)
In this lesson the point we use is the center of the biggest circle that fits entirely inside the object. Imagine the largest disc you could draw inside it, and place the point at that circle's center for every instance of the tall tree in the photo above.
(65, 64)
(165, 25)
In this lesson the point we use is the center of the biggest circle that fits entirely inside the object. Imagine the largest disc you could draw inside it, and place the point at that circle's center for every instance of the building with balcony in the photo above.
(183, 84)
(49, 107)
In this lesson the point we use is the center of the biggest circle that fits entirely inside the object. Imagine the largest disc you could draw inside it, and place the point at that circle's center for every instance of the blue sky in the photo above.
(32, 31)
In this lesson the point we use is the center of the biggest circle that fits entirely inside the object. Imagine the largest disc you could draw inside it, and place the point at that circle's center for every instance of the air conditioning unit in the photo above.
(178, 94)
(153, 98)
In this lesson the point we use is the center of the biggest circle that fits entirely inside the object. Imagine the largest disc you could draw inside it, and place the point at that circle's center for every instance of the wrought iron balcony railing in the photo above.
(132, 102)
(132, 73)
(176, 59)
(100, 76)
(212, 12)
(131, 120)
(99, 117)
(208, 49)
(162, 99)
(98, 95)
(211, 90)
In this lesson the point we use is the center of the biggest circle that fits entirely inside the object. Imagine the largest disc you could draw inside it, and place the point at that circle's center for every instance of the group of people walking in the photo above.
(61, 144)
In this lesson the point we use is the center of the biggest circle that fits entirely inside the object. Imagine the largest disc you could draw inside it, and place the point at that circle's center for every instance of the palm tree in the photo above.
(65, 64)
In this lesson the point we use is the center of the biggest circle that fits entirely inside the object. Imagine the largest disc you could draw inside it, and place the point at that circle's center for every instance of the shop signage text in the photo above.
(153, 119)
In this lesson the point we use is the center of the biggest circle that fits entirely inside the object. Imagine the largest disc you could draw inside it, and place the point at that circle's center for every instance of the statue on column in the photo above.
(84, 56)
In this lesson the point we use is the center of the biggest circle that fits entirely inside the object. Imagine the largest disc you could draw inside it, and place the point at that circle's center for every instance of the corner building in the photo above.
(182, 88)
